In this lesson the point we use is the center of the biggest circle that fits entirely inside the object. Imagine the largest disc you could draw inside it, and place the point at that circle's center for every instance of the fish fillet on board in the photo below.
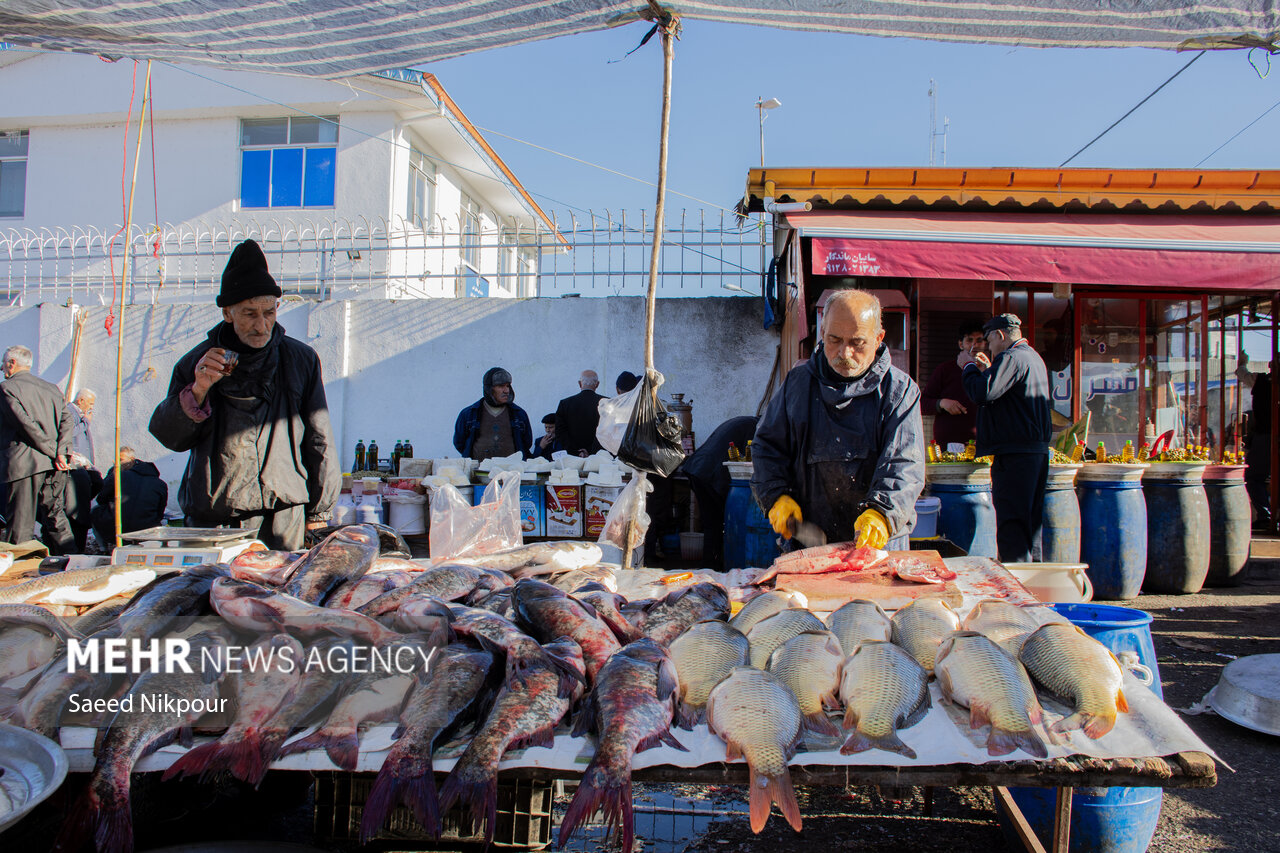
(840, 557)
(831, 591)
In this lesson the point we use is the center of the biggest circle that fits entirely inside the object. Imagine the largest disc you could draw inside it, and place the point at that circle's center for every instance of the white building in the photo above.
(377, 186)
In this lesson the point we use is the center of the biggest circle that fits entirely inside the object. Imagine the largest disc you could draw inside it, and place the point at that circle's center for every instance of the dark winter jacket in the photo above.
(839, 448)
(267, 442)
(1013, 402)
(576, 421)
(35, 426)
(468, 424)
(143, 498)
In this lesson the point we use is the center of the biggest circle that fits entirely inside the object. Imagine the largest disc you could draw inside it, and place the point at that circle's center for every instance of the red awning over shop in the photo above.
(1158, 251)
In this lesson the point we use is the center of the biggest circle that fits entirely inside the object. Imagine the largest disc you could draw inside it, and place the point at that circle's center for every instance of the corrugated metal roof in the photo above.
(337, 38)
(1069, 190)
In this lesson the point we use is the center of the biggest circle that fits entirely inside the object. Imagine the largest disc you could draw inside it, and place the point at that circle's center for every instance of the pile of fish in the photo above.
(498, 653)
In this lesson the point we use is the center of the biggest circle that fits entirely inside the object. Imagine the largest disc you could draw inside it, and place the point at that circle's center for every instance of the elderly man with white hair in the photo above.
(35, 439)
(841, 443)
(578, 416)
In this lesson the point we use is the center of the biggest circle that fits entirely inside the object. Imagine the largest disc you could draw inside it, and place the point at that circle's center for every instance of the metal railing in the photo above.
(595, 254)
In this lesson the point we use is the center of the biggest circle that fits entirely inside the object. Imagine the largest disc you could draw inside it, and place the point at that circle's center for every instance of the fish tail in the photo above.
(859, 741)
(80, 825)
(1003, 742)
(9, 699)
(1121, 702)
(475, 788)
(767, 790)
(608, 793)
(114, 831)
(1095, 725)
(401, 782)
(820, 724)
(200, 761)
(342, 746)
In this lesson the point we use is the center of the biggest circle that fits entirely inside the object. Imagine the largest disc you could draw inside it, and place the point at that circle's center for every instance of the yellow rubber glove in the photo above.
(784, 510)
(872, 529)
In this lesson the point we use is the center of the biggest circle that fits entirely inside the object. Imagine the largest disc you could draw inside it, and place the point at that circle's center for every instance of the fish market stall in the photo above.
(1148, 745)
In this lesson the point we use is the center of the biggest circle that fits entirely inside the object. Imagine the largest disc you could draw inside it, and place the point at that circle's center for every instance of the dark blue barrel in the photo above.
(1113, 528)
(749, 539)
(1177, 528)
(1060, 529)
(966, 515)
(1229, 521)
(1103, 820)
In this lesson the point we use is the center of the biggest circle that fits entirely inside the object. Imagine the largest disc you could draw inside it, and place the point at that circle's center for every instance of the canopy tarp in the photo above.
(336, 38)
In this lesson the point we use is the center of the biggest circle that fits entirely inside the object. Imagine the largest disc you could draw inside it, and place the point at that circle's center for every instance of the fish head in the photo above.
(567, 651)
(361, 534)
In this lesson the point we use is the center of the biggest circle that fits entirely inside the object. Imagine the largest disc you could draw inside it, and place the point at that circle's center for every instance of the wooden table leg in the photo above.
(1025, 833)
(1062, 821)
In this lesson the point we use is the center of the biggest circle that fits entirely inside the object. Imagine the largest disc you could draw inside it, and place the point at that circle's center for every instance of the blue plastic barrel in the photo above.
(1113, 528)
(1228, 524)
(1177, 528)
(1060, 529)
(749, 539)
(966, 516)
(1103, 820)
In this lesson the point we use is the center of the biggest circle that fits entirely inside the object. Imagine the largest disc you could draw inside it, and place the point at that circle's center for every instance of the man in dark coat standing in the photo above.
(954, 414)
(709, 480)
(841, 444)
(1014, 426)
(35, 436)
(578, 416)
(249, 405)
(493, 426)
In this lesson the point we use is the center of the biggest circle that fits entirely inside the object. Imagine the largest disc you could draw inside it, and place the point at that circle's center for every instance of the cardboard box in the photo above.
(597, 501)
(564, 511)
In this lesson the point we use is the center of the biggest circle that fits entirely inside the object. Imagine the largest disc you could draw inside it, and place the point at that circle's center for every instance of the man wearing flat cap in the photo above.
(249, 405)
(1011, 390)
(493, 426)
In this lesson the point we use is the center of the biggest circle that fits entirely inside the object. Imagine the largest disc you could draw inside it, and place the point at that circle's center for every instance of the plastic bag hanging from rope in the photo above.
(652, 441)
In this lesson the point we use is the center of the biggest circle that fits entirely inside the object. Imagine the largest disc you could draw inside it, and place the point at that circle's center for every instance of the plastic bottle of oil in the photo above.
(971, 450)
(734, 455)
(358, 464)
(1144, 452)
(746, 457)
(1102, 451)
(1077, 452)
(1126, 454)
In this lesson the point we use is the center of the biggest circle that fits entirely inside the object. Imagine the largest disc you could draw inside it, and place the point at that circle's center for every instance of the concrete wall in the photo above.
(397, 370)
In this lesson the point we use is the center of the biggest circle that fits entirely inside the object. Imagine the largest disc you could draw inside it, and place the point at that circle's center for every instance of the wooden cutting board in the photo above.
(833, 589)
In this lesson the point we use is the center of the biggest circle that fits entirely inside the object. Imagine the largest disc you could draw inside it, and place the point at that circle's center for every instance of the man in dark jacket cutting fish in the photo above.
(841, 444)
(249, 405)
(1014, 426)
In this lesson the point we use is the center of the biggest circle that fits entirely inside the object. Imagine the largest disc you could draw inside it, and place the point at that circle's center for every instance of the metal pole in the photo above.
(124, 286)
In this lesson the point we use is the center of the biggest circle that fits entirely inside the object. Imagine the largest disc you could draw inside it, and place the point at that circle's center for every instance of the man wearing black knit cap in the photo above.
(249, 405)
(493, 426)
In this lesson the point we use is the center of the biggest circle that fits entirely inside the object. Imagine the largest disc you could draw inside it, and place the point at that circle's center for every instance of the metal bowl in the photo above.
(33, 766)
(1248, 693)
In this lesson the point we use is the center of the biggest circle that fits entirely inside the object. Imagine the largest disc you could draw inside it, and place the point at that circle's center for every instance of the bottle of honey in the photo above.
(1077, 452)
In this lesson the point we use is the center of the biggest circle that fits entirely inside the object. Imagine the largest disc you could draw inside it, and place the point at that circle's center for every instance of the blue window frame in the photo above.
(13, 172)
(288, 162)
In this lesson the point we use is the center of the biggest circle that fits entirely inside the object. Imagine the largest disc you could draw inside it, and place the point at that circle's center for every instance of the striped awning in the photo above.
(335, 38)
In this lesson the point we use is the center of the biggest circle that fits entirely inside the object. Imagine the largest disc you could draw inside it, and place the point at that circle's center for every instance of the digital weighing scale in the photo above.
(182, 547)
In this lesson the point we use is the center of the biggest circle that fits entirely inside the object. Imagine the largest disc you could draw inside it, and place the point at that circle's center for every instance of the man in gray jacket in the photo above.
(841, 443)
(249, 405)
(1014, 426)
(35, 443)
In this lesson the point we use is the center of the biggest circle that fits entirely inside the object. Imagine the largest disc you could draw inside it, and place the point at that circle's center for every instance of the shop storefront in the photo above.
(1149, 294)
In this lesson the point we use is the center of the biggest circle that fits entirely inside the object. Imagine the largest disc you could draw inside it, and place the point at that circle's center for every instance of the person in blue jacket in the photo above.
(1014, 425)
(493, 426)
(841, 444)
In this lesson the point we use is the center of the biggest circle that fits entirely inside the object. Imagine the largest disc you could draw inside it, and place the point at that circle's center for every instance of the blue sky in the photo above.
(846, 101)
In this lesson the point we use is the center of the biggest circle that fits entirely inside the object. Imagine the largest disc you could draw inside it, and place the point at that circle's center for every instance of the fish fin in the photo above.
(476, 790)
(264, 612)
(686, 717)
(186, 737)
(193, 762)
(978, 716)
(1122, 703)
(850, 718)
(544, 736)
(944, 683)
(342, 746)
(1003, 742)
(612, 800)
(917, 715)
(586, 721)
(819, 724)
(661, 738)
(765, 791)
(396, 783)
(670, 740)
(1097, 725)
(80, 824)
(861, 742)
(732, 751)
(668, 680)
(831, 701)
(9, 699)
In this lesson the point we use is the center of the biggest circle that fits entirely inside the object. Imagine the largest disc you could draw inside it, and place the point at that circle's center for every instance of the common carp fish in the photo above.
(1007, 625)
(79, 587)
(768, 634)
(810, 664)
(884, 690)
(630, 709)
(858, 621)
(1076, 667)
(759, 720)
(976, 673)
(704, 656)
(920, 626)
(765, 605)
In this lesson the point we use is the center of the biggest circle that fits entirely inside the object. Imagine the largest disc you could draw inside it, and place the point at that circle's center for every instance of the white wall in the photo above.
(398, 370)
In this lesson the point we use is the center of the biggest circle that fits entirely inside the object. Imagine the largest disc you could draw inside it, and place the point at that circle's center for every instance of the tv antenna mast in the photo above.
(933, 126)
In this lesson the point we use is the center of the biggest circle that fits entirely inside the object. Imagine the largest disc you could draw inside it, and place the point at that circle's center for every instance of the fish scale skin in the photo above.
(980, 670)
(809, 664)
(772, 632)
(1007, 625)
(920, 626)
(1075, 667)
(704, 656)
(856, 621)
(756, 711)
(761, 607)
(882, 684)
(672, 615)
